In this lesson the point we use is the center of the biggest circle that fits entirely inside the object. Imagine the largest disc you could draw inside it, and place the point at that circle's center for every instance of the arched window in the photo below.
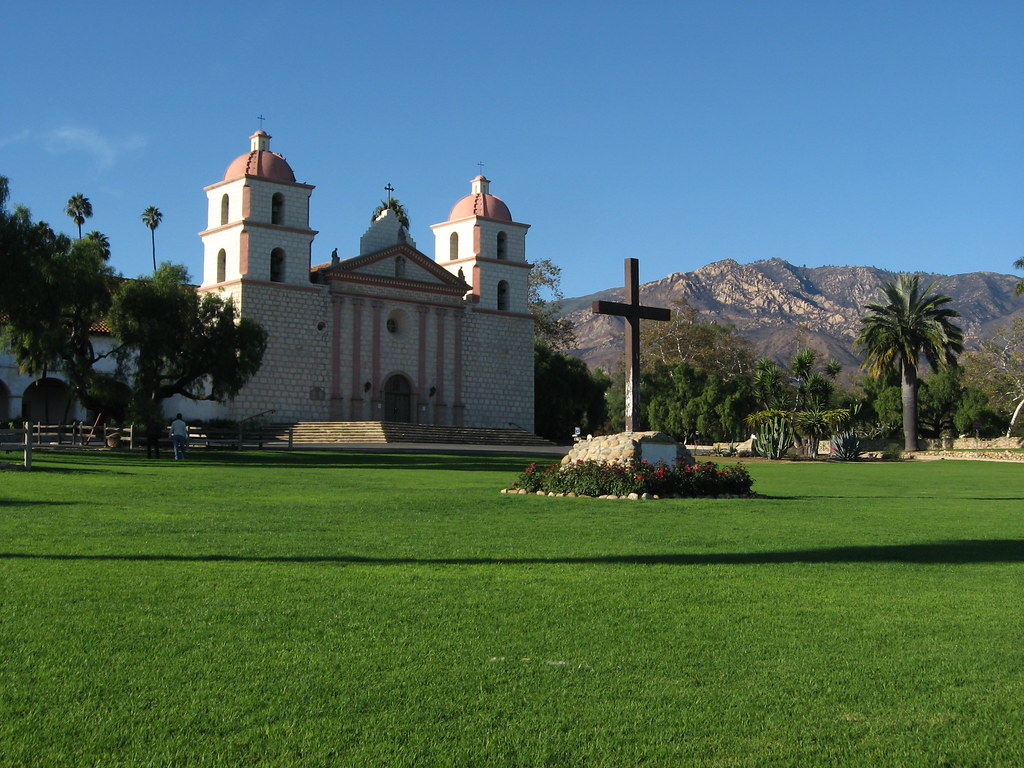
(277, 209)
(503, 295)
(277, 265)
(224, 210)
(453, 246)
(399, 266)
(222, 265)
(501, 246)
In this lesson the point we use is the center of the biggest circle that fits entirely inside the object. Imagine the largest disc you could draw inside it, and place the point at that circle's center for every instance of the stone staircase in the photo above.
(383, 432)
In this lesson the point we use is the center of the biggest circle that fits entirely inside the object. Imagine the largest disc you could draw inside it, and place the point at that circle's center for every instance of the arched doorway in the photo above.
(397, 399)
(47, 401)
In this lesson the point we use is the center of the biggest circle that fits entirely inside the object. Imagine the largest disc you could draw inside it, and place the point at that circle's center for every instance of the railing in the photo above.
(18, 440)
(82, 434)
(79, 433)
(239, 438)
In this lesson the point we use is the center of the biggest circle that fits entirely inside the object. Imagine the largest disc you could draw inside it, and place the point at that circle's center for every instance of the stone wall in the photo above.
(498, 370)
(628, 446)
(293, 380)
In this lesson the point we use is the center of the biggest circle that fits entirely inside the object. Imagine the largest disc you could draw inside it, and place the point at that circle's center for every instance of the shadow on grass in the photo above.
(948, 552)
(34, 502)
(339, 459)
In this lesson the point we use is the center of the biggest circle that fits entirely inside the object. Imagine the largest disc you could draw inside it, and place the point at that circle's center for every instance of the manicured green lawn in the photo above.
(273, 609)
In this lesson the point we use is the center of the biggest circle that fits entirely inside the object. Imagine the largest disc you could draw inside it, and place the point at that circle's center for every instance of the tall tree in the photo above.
(79, 209)
(566, 395)
(997, 369)
(907, 324)
(180, 342)
(544, 297)
(703, 344)
(54, 294)
(152, 217)
(1019, 264)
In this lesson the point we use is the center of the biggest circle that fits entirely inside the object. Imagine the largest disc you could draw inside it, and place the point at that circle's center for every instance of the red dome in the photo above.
(266, 164)
(480, 203)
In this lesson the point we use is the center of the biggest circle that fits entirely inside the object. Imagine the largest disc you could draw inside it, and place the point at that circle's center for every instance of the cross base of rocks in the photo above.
(625, 447)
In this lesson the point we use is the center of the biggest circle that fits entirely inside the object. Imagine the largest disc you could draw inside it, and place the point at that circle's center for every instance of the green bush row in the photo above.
(595, 478)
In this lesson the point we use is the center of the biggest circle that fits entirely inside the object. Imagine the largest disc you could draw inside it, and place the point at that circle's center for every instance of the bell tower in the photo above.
(482, 243)
(257, 221)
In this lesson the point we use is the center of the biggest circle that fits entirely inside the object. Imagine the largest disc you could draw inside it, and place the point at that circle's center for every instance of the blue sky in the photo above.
(681, 133)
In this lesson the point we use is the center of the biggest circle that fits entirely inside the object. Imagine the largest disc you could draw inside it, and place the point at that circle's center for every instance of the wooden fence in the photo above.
(19, 439)
(81, 434)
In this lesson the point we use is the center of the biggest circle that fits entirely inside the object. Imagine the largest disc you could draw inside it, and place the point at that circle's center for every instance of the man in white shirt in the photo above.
(179, 436)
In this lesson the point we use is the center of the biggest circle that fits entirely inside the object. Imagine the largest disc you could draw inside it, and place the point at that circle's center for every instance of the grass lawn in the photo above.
(342, 609)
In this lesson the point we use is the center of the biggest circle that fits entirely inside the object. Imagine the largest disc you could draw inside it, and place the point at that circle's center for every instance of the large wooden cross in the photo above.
(633, 312)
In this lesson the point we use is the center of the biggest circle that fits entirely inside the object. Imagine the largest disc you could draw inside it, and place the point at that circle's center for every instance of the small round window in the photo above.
(397, 322)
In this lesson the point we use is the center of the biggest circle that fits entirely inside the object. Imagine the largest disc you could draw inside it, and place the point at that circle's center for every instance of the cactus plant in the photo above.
(775, 438)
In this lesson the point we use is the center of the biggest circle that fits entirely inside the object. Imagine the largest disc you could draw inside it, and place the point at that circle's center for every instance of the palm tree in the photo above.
(1019, 264)
(79, 209)
(394, 205)
(907, 324)
(102, 241)
(152, 217)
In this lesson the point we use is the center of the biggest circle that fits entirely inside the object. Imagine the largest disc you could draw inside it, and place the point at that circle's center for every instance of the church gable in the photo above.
(399, 267)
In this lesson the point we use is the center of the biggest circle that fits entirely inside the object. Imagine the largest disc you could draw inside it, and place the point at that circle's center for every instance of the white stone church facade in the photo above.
(389, 334)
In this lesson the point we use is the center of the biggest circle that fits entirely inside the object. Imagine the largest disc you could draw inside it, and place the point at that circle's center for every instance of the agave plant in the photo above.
(846, 446)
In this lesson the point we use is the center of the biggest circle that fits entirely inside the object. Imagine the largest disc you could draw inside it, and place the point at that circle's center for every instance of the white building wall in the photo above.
(293, 381)
(498, 368)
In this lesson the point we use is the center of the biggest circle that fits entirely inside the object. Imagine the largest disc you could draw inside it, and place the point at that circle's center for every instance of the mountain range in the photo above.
(781, 308)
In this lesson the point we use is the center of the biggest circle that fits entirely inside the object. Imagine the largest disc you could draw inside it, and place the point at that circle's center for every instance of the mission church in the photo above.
(389, 334)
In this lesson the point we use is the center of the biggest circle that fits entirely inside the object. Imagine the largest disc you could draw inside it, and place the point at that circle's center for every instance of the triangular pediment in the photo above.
(401, 267)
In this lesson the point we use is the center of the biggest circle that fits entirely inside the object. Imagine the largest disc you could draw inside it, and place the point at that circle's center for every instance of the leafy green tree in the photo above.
(394, 205)
(566, 395)
(152, 217)
(176, 341)
(544, 297)
(701, 343)
(692, 404)
(55, 293)
(997, 369)
(888, 407)
(102, 241)
(909, 323)
(939, 397)
(79, 209)
(1019, 264)
(975, 416)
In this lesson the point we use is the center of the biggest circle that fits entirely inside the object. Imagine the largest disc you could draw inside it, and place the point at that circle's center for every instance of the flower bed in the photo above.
(634, 478)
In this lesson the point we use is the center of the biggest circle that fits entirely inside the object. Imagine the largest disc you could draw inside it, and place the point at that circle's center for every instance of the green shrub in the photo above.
(892, 452)
(595, 478)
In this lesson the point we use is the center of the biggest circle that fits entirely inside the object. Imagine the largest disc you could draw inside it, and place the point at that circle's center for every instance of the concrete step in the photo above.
(320, 432)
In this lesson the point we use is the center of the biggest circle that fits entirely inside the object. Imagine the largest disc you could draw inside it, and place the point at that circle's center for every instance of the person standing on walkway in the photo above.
(179, 436)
